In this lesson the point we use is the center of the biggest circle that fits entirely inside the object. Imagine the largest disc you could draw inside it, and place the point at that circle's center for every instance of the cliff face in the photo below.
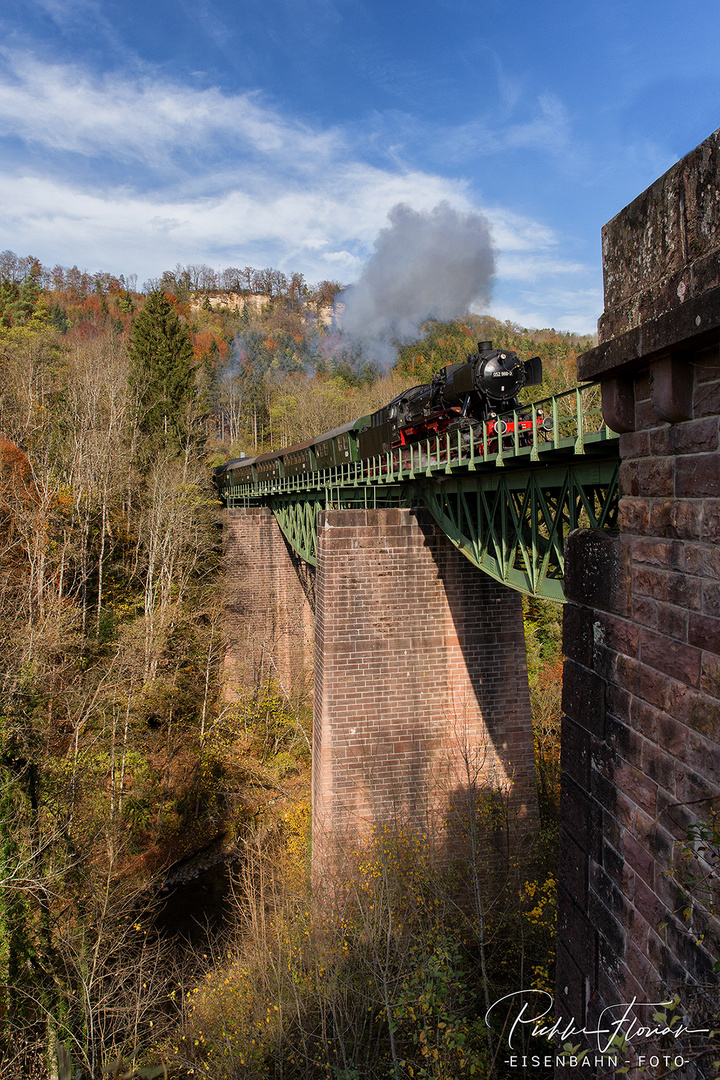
(255, 303)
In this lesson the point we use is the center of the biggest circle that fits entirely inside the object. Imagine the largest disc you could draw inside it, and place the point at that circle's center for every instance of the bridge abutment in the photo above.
(269, 595)
(421, 692)
(642, 627)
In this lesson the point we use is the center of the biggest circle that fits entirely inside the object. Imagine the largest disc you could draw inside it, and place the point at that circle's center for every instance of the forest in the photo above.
(155, 911)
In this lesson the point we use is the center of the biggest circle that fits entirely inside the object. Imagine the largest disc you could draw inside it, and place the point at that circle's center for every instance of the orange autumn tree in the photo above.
(21, 529)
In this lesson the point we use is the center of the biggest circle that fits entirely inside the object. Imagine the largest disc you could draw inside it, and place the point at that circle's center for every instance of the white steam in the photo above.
(431, 264)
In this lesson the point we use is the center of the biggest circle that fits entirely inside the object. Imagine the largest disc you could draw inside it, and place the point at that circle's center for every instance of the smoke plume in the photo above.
(430, 264)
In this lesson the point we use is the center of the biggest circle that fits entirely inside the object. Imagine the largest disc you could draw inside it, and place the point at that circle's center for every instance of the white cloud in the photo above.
(533, 266)
(530, 255)
(301, 229)
(63, 109)
(516, 232)
(567, 310)
(203, 176)
(325, 229)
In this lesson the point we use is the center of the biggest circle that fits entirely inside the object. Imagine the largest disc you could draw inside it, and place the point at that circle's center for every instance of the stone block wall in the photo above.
(661, 263)
(269, 596)
(641, 733)
(420, 682)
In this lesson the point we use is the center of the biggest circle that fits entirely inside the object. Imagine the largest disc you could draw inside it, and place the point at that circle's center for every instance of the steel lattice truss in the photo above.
(297, 517)
(511, 524)
(514, 526)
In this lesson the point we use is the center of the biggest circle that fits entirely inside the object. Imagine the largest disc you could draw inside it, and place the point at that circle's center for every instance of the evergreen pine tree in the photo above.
(59, 319)
(9, 293)
(163, 374)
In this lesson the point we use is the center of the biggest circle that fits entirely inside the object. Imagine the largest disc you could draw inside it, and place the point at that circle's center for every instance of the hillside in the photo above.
(126, 775)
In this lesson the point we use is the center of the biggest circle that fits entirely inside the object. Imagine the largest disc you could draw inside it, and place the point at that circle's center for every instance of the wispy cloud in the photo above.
(64, 109)
(90, 20)
(516, 232)
(537, 285)
(175, 173)
(542, 124)
(548, 129)
(322, 230)
(573, 310)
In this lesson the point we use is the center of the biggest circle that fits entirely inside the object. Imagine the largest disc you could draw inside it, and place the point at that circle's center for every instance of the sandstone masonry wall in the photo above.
(640, 737)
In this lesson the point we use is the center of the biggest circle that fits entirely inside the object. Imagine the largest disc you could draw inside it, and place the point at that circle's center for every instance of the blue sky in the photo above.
(134, 136)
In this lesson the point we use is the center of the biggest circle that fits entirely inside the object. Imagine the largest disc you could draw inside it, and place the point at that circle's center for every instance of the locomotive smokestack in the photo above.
(484, 346)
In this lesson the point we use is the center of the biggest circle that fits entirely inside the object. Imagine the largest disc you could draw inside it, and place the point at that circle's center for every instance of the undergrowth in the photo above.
(379, 977)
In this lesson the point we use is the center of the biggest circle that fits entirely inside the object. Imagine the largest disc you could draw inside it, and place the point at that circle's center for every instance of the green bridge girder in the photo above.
(508, 512)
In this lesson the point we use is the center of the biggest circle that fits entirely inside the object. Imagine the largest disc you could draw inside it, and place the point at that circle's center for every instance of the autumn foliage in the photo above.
(122, 767)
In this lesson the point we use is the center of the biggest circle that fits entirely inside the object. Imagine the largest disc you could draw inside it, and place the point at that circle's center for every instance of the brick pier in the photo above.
(642, 632)
(268, 603)
(421, 690)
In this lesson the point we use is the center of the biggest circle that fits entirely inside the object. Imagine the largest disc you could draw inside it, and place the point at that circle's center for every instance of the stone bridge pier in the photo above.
(421, 692)
(640, 747)
(269, 602)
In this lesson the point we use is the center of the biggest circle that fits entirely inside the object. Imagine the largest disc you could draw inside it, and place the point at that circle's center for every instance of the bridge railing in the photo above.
(566, 422)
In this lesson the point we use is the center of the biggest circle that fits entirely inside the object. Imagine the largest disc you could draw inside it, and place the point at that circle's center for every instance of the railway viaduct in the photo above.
(419, 656)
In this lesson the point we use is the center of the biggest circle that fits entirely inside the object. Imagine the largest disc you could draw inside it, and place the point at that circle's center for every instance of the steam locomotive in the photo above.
(459, 399)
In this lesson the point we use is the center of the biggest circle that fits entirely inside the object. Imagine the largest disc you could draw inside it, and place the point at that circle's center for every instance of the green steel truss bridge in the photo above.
(508, 507)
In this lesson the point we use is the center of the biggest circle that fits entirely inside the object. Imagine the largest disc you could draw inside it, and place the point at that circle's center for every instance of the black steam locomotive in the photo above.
(459, 398)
